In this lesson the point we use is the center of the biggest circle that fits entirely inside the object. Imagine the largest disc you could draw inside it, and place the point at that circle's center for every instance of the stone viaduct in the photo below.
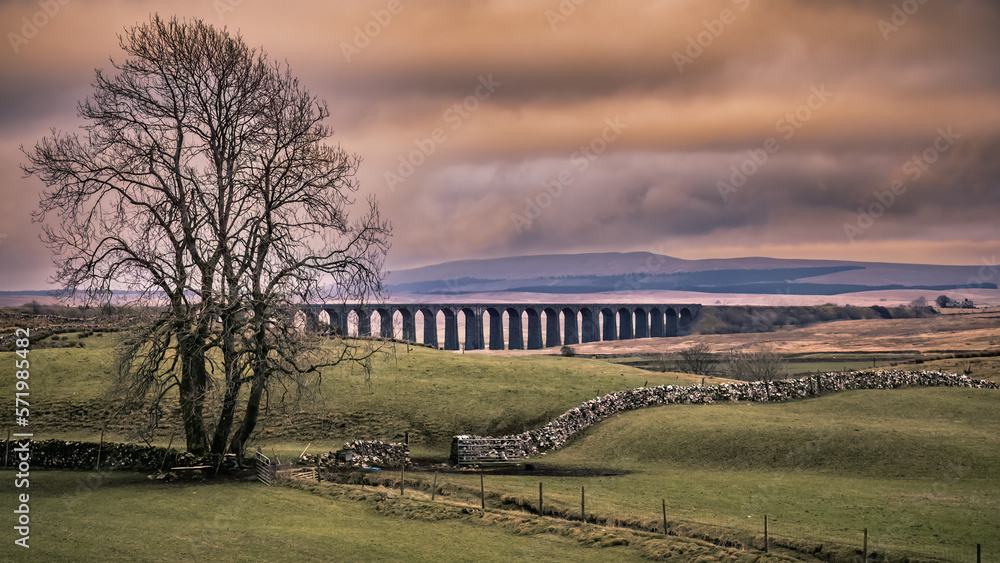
(563, 323)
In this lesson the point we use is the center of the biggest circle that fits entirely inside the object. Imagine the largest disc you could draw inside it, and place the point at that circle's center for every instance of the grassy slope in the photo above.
(908, 433)
(75, 375)
(446, 393)
(431, 394)
(919, 467)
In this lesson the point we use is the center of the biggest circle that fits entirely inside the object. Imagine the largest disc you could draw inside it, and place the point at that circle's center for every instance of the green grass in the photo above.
(920, 468)
(443, 393)
(431, 394)
(70, 374)
(123, 517)
(906, 433)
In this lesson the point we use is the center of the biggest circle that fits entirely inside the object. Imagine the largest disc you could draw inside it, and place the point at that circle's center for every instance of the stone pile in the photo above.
(366, 453)
(554, 434)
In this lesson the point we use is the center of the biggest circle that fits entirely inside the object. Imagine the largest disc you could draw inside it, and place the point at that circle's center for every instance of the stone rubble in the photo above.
(367, 453)
(555, 434)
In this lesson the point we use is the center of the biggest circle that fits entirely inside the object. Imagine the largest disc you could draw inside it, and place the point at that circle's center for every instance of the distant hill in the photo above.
(646, 275)
(643, 271)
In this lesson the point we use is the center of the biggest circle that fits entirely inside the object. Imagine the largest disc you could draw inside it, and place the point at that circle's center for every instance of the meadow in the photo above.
(917, 467)
(430, 395)
(123, 517)
(920, 468)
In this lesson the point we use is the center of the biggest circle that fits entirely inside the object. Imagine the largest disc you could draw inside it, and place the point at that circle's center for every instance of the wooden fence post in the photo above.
(765, 535)
(401, 476)
(482, 491)
(664, 504)
(979, 553)
(434, 486)
(583, 504)
(865, 549)
(540, 511)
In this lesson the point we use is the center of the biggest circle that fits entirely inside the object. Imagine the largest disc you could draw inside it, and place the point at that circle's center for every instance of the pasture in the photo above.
(917, 467)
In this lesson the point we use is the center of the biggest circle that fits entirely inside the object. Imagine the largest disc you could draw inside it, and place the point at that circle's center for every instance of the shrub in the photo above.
(755, 363)
(567, 351)
(698, 360)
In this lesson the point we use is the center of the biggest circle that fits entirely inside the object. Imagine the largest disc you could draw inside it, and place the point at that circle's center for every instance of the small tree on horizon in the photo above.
(943, 301)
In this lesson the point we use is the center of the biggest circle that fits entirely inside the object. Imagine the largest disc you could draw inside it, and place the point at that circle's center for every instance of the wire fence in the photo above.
(589, 499)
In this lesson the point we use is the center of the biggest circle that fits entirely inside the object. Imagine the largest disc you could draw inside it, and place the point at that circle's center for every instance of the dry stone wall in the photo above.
(555, 434)
(62, 454)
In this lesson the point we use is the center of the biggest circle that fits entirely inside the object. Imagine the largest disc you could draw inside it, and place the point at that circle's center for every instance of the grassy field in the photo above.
(431, 394)
(124, 517)
(920, 468)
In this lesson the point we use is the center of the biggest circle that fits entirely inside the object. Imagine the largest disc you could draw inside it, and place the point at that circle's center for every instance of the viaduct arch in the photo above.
(548, 325)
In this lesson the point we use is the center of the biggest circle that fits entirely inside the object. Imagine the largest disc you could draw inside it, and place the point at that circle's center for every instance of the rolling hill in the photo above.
(643, 271)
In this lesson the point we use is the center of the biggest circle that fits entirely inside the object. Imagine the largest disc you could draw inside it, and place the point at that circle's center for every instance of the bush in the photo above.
(755, 363)
(698, 360)
(567, 351)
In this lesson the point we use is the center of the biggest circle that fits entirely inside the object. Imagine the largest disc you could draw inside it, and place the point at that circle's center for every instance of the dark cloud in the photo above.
(894, 81)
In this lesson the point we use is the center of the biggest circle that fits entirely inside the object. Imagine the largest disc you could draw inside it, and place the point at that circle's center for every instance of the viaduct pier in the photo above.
(548, 325)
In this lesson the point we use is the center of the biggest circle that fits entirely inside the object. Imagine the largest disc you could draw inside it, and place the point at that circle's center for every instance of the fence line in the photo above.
(601, 510)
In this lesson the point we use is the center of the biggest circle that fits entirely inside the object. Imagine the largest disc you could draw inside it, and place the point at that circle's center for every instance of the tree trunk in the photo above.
(233, 386)
(194, 379)
(256, 391)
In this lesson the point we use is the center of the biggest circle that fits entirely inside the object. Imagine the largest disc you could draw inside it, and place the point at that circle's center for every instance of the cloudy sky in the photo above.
(865, 130)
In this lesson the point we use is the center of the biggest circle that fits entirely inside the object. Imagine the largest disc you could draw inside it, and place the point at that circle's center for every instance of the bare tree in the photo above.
(758, 362)
(203, 183)
(697, 359)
